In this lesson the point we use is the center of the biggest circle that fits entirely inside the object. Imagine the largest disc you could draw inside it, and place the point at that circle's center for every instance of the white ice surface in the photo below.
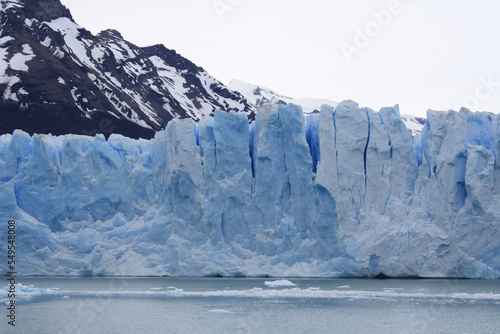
(279, 283)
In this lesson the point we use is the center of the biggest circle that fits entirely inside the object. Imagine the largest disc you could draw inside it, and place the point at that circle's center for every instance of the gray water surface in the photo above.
(248, 305)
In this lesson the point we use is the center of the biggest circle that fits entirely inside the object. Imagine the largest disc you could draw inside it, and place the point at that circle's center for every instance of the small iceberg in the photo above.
(23, 290)
(280, 282)
(173, 289)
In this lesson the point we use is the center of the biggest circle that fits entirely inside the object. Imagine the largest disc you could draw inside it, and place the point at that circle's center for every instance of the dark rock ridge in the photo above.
(56, 77)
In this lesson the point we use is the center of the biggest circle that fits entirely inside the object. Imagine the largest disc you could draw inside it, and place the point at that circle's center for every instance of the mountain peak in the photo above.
(110, 33)
(42, 10)
(260, 95)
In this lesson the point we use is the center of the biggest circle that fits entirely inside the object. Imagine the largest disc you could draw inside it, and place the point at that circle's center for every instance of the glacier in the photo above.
(346, 192)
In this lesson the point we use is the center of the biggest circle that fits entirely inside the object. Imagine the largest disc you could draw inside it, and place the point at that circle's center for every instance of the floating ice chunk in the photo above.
(24, 291)
(281, 282)
(174, 290)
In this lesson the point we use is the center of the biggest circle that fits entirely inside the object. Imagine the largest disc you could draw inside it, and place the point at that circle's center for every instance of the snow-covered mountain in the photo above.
(414, 124)
(56, 77)
(259, 95)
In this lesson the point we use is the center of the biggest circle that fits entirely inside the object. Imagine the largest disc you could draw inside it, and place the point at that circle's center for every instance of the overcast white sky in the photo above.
(438, 54)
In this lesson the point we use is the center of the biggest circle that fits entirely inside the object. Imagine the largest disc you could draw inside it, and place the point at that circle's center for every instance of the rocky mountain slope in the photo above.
(56, 77)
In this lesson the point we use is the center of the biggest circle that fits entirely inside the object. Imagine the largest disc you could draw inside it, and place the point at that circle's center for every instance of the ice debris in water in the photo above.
(281, 282)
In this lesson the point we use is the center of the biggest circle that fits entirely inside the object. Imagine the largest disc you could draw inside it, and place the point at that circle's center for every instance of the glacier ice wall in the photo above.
(346, 192)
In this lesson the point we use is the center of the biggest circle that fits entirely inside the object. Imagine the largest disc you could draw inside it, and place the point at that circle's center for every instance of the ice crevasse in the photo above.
(343, 193)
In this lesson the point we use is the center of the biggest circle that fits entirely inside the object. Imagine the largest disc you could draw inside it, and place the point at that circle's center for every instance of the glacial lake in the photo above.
(252, 305)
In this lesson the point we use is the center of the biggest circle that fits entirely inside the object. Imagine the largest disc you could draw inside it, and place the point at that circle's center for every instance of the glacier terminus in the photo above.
(346, 192)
